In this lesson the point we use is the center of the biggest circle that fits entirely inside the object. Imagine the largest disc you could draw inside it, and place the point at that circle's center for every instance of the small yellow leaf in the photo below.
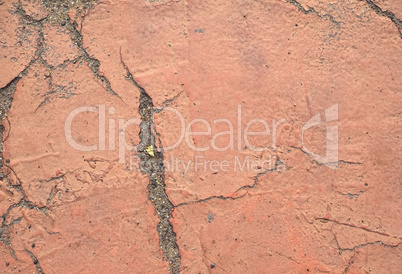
(150, 151)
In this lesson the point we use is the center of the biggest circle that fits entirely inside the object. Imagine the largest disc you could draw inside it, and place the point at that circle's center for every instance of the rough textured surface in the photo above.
(118, 193)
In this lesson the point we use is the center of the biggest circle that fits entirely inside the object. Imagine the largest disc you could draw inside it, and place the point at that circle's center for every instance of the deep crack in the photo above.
(386, 13)
(152, 165)
(58, 13)
(327, 163)
(221, 197)
(311, 10)
(35, 261)
(6, 99)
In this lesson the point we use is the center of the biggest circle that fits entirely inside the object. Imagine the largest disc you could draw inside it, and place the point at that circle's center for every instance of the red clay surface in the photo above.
(71, 211)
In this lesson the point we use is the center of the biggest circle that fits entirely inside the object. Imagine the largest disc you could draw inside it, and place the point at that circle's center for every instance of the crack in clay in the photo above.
(152, 165)
(256, 178)
(24, 202)
(167, 102)
(350, 195)
(353, 249)
(362, 245)
(58, 13)
(27, 18)
(311, 10)
(350, 262)
(324, 220)
(35, 261)
(217, 265)
(328, 163)
(386, 13)
(63, 20)
(221, 197)
(285, 256)
(6, 99)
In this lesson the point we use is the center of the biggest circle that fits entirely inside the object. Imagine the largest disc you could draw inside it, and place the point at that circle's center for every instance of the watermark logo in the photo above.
(238, 136)
(331, 157)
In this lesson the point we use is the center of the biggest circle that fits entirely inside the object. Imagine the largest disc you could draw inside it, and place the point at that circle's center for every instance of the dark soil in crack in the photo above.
(57, 14)
(152, 164)
(6, 99)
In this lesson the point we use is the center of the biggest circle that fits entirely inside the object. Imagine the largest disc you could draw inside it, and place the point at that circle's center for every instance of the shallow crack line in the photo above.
(386, 13)
(152, 165)
(362, 245)
(51, 195)
(313, 11)
(256, 178)
(351, 195)
(214, 262)
(328, 163)
(52, 179)
(350, 262)
(355, 226)
(167, 102)
(210, 198)
(287, 257)
(35, 261)
(353, 249)
(129, 76)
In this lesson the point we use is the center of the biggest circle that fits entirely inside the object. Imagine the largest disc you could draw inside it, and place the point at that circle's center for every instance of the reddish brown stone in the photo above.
(281, 62)
(17, 47)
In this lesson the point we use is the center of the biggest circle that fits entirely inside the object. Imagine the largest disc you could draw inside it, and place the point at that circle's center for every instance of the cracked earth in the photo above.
(126, 185)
